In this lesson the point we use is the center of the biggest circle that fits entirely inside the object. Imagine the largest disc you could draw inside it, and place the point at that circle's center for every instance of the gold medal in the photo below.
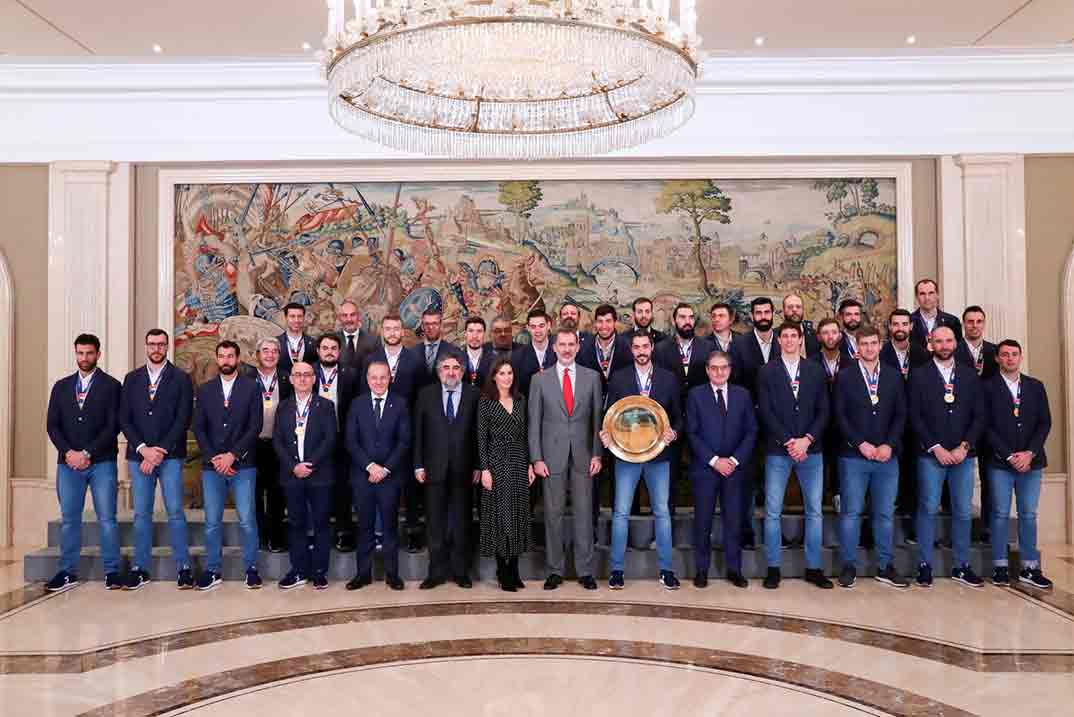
(1016, 411)
(949, 398)
(875, 399)
(300, 430)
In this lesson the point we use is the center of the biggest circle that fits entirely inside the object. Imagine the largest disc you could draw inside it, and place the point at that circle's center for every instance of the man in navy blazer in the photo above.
(792, 400)
(850, 314)
(538, 355)
(82, 411)
(642, 378)
(378, 441)
(870, 408)
(433, 347)
(406, 365)
(722, 427)
(304, 438)
(228, 418)
(295, 344)
(1019, 422)
(274, 386)
(477, 355)
(154, 413)
(831, 357)
(928, 314)
(980, 354)
(947, 410)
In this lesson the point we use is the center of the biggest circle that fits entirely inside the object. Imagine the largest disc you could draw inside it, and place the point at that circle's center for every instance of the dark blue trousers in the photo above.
(709, 487)
(309, 505)
(368, 499)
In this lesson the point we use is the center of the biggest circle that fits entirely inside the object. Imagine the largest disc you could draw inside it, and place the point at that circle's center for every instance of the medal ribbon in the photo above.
(794, 379)
(1018, 399)
(646, 387)
(268, 390)
(301, 414)
(326, 382)
(685, 353)
(82, 390)
(872, 382)
(605, 361)
(153, 384)
(295, 349)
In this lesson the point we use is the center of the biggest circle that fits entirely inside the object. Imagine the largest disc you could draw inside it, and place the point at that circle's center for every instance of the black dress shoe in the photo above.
(430, 583)
(701, 580)
(394, 582)
(360, 581)
(463, 581)
(816, 577)
(345, 543)
(587, 582)
(749, 542)
(413, 543)
(737, 580)
(771, 580)
(553, 582)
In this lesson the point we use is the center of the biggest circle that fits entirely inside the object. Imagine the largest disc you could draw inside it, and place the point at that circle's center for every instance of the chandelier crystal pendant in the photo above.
(511, 79)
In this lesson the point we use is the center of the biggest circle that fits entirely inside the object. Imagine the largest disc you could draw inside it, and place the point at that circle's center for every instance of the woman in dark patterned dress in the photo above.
(506, 475)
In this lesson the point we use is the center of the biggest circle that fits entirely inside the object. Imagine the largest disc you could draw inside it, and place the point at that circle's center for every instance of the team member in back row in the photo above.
(870, 408)
(154, 413)
(1018, 425)
(228, 418)
(792, 400)
(304, 437)
(82, 410)
(947, 409)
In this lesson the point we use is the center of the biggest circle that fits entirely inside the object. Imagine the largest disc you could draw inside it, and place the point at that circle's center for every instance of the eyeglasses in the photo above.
(303, 374)
(720, 367)
(157, 344)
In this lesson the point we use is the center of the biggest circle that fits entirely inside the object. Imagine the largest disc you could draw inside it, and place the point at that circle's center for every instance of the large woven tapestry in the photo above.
(243, 251)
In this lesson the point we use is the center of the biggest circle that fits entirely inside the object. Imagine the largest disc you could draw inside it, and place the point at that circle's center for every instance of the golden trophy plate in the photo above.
(636, 425)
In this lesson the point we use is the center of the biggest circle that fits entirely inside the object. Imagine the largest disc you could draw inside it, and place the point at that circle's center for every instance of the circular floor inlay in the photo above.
(526, 686)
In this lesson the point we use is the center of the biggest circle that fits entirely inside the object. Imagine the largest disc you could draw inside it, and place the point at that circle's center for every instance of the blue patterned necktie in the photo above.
(376, 408)
(450, 410)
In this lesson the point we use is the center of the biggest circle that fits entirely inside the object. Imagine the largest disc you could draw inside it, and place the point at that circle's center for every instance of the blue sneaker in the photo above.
(61, 581)
(253, 580)
(209, 580)
(924, 575)
(615, 580)
(293, 579)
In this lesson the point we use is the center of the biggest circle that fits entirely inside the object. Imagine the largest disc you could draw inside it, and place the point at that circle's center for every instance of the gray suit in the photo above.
(566, 444)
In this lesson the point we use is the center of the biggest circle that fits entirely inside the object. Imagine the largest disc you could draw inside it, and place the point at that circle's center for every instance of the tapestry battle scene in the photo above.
(243, 251)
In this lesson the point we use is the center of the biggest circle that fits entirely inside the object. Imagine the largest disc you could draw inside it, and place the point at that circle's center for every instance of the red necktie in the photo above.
(568, 392)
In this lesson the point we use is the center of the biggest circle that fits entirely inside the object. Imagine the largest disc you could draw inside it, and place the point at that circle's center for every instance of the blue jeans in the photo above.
(857, 476)
(930, 477)
(144, 488)
(215, 487)
(1026, 487)
(810, 472)
(71, 490)
(658, 480)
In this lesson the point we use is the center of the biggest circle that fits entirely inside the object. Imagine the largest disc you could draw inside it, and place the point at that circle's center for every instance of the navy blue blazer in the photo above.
(283, 380)
(919, 333)
(1027, 431)
(319, 442)
(162, 422)
(860, 421)
(92, 428)
(621, 357)
(656, 334)
(667, 356)
(524, 362)
(348, 386)
(309, 352)
(713, 434)
(408, 373)
(665, 390)
(233, 429)
(735, 336)
(918, 357)
(781, 415)
(989, 365)
(947, 424)
(445, 450)
(388, 444)
(832, 436)
(809, 335)
(427, 377)
(747, 361)
(477, 375)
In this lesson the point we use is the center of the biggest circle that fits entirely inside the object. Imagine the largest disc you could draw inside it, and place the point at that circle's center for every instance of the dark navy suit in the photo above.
(309, 352)
(348, 383)
(664, 390)
(428, 375)
(408, 372)
(916, 357)
(160, 423)
(268, 495)
(309, 500)
(524, 363)
(477, 375)
(621, 356)
(714, 434)
(747, 359)
(919, 332)
(387, 443)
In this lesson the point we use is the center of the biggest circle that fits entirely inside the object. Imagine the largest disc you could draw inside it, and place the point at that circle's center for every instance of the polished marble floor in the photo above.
(873, 650)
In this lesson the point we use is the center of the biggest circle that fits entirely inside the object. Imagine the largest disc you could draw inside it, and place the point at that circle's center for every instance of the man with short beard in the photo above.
(850, 313)
(722, 318)
(82, 410)
(605, 351)
(503, 342)
(642, 310)
(478, 356)
(905, 356)
(928, 315)
(228, 418)
(354, 343)
(832, 360)
(947, 409)
(433, 346)
(976, 352)
(794, 310)
(405, 365)
(295, 343)
(339, 384)
(154, 413)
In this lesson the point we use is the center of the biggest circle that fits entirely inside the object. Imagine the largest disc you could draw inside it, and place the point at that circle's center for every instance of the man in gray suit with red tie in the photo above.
(564, 433)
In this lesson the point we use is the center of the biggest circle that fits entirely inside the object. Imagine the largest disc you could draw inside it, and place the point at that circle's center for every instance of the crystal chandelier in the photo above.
(511, 79)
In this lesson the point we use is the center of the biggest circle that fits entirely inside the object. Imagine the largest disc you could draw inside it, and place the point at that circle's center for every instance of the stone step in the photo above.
(642, 529)
(639, 564)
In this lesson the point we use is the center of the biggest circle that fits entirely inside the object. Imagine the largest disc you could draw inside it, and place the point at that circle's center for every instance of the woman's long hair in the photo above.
(490, 390)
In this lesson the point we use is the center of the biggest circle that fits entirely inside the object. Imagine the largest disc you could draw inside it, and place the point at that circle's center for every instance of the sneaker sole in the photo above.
(1001, 584)
(214, 584)
(115, 587)
(139, 586)
(890, 583)
(320, 587)
(65, 588)
(253, 587)
(927, 586)
(670, 587)
(850, 585)
(616, 587)
(1033, 585)
(184, 587)
(298, 584)
(968, 584)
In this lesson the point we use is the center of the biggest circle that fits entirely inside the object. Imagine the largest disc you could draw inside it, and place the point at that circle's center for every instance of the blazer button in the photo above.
(225, 425)
(80, 419)
(150, 413)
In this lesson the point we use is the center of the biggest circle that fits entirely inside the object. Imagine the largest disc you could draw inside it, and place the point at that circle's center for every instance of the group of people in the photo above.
(316, 431)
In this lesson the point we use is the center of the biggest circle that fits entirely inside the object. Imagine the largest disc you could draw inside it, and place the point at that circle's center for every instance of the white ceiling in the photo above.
(268, 28)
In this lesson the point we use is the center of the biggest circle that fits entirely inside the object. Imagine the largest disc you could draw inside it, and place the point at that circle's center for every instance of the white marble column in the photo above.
(982, 248)
(91, 267)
